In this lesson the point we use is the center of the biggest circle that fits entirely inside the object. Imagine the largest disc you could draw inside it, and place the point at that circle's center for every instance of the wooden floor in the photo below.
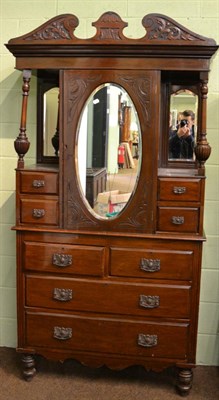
(71, 381)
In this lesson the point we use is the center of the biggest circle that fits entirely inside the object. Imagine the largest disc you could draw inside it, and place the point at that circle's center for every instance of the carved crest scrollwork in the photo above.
(141, 86)
(163, 28)
(76, 89)
(138, 216)
(76, 216)
(57, 28)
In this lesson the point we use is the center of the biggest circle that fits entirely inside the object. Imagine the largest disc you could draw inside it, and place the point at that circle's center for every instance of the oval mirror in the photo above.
(108, 150)
(183, 124)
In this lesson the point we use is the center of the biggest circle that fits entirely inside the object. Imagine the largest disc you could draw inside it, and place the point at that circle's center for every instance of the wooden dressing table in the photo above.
(115, 290)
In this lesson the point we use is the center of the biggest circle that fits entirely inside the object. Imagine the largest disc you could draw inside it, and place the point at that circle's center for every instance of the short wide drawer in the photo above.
(63, 258)
(180, 189)
(39, 182)
(40, 212)
(178, 219)
(106, 335)
(151, 263)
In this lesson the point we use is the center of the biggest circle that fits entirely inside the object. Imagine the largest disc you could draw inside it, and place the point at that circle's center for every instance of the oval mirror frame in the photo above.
(110, 137)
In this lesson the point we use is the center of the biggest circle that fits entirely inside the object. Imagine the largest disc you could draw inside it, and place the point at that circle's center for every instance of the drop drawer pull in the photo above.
(149, 301)
(38, 183)
(61, 333)
(147, 340)
(61, 260)
(38, 212)
(177, 220)
(179, 189)
(61, 294)
(149, 265)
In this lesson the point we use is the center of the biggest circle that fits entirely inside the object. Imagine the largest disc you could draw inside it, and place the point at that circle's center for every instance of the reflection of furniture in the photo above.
(95, 184)
(123, 291)
(129, 162)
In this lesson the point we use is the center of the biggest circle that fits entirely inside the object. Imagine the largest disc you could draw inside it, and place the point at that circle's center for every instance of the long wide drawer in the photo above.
(105, 335)
(163, 300)
(165, 264)
(65, 259)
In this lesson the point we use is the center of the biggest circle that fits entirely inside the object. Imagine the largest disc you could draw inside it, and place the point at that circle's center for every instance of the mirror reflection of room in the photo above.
(183, 124)
(51, 122)
(109, 135)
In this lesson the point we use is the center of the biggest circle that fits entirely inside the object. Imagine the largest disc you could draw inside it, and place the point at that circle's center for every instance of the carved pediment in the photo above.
(160, 27)
(110, 29)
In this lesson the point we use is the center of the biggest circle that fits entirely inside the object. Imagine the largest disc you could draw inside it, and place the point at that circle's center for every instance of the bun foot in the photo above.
(184, 381)
(29, 369)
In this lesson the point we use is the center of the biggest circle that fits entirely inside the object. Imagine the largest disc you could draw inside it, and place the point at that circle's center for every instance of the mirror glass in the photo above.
(183, 124)
(51, 122)
(108, 150)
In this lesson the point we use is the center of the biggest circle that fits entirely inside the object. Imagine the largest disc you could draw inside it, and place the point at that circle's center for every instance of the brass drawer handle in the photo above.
(37, 183)
(149, 301)
(179, 189)
(176, 220)
(149, 265)
(147, 340)
(61, 260)
(38, 212)
(61, 294)
(61, 333)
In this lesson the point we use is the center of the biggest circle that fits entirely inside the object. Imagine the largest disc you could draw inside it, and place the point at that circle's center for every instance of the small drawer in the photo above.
(170, 189)
(40, 212)
(39, 182)
(177, 219)
(104, 334)
(64, 259)
(149, 300)
(148, 263)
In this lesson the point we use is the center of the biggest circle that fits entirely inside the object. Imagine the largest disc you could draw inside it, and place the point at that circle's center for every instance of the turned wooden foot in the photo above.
(184, 381)
(29, 369)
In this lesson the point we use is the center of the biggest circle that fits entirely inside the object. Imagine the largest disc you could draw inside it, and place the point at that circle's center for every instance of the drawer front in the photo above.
(40, 212)
(64, 259)
(39, 182)
(176, 219)
(179, 189)
(165, 264)
(109, 297)
(105, 335)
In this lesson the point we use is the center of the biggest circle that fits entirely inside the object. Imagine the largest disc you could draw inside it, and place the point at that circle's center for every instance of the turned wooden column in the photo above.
(203, 149)
(21, 144)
